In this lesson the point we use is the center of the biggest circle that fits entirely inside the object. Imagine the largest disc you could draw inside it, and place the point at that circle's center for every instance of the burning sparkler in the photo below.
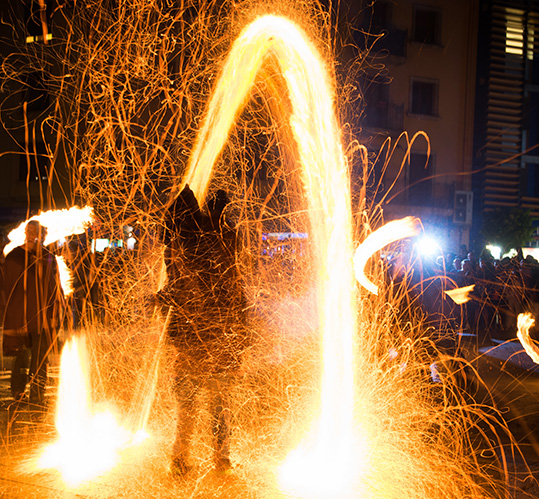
(59, 224)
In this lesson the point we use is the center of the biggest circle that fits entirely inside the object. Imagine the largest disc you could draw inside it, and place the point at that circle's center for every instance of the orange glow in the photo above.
(524, 323)
(389, 233)
(326, 181)
(89, 440)
(460, 295)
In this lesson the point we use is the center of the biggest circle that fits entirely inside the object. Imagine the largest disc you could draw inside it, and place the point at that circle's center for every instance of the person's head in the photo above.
(35, 233)
(466, 266)
(188, 201)
(457, 263)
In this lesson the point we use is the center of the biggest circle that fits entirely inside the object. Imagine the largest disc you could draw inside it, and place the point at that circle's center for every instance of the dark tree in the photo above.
(507, 227)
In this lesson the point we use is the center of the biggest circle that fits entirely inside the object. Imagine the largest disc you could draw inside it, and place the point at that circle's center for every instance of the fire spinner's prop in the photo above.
(460, 295)
(59, 224)
(524, 323)
(387, 234)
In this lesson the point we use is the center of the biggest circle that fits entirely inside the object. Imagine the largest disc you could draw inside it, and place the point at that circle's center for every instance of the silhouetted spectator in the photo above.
(33, 314)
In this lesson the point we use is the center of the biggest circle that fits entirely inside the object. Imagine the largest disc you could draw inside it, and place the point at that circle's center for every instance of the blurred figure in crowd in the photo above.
(34, 306)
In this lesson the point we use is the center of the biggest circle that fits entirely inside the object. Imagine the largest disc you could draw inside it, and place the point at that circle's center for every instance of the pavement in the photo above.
(505, 381)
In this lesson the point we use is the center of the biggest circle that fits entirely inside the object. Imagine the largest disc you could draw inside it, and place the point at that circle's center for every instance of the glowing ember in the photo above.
(460, 295)
(389, 233)
(326, 182)
(524, 323)
(89, 441)
(59, 224)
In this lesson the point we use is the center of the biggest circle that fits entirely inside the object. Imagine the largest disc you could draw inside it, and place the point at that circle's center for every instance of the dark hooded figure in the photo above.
(206, 317)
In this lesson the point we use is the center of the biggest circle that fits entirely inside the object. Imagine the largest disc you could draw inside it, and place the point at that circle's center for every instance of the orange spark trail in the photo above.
(326, 181)
(389, 233)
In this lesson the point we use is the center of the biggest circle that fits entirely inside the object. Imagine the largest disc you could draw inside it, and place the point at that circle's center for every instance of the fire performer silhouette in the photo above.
(33, 313)
(206, 322)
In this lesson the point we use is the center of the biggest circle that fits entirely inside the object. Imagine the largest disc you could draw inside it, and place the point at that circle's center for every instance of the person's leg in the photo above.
(185, 388)
(39, 364)
(19, 376)
(219, 387)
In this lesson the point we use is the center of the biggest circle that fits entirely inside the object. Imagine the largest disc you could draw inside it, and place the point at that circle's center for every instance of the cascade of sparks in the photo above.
(325, 458)
(89, 441)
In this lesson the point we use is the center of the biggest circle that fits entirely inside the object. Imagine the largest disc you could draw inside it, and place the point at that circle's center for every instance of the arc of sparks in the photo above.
(325, 178)
(524, 323)
(387, 234)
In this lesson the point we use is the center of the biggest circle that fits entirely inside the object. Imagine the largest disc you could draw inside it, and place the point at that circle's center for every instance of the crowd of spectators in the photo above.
(502, 289)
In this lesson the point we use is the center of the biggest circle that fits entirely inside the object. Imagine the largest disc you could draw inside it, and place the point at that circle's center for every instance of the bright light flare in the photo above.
(387, 234)
(428, 246)
(460, 295)
(524, 323)
(310, 472)
(495, 251)
(89, 440)
(59, 224)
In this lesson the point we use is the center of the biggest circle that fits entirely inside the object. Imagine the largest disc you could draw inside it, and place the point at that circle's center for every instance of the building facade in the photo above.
(506, 143)
(419, 115)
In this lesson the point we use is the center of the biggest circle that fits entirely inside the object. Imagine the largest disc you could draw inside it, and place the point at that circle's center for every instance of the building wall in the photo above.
(31, 161)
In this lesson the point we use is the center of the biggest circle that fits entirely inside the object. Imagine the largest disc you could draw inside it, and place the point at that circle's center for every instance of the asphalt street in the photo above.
(504, 378)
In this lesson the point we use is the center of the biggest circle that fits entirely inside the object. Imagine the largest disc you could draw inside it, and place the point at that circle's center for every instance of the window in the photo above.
(420, 179)
(424, 97)
(529, 185)
(427, 25)
(35, 165)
